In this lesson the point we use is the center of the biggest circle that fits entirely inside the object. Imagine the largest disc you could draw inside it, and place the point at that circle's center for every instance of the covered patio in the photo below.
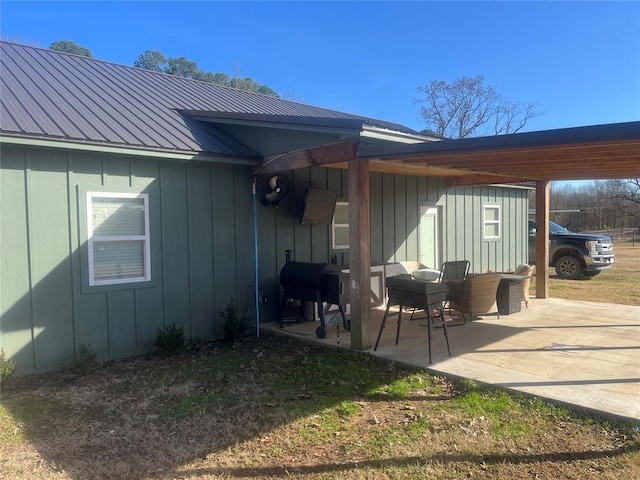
(584, 355)
(580, 153)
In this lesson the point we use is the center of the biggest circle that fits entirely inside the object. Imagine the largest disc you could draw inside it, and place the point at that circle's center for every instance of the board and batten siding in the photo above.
(201, 245)
(463, 227)
(201, 236)
(395, 215)
(395, 210)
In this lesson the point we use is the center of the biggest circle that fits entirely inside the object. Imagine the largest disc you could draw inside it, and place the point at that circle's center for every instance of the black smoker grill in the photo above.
(315, 282)
(406, 291)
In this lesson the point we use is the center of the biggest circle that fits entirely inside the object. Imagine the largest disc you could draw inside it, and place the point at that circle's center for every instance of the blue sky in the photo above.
(579, 60)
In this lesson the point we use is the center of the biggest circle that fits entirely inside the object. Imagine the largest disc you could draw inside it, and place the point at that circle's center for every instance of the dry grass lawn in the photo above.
(273, 407)
(620, 284)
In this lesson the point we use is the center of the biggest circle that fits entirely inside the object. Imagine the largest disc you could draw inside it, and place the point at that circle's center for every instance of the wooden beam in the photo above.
(542, 239)
(402, 168)
(323, 156)
(621, 149)
(407, 169)
(359, 256)
(618, 159)
(534, 167)
(470, 180)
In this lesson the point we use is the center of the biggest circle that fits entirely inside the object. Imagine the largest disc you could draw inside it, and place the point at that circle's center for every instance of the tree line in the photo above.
(157, 61)
(603, 205)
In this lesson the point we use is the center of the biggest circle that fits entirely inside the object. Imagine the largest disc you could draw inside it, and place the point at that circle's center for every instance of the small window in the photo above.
(340, 226)
(118, 238)
(491, 222)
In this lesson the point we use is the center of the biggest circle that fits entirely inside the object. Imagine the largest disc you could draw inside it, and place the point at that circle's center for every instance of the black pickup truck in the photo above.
(574, 254)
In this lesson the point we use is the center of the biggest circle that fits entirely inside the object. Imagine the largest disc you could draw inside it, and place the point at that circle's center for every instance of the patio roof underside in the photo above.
(583, 153)
(571, 162)
(598, 152)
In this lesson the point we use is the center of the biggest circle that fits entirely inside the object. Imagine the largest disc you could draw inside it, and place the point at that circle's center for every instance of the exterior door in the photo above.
(428, 237)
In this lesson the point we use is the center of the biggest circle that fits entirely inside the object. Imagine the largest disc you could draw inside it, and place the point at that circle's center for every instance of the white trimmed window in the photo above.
(340, 226)
(118, 238)
(491, 220)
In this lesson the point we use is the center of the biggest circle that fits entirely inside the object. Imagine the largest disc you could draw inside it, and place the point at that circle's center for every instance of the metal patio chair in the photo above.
(454, 275)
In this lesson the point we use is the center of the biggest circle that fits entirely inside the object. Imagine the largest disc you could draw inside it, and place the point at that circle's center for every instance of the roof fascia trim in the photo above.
(378, 133)
(539, 139)
(310, 124)
(347, 128)
(343, 132)
(97, 148)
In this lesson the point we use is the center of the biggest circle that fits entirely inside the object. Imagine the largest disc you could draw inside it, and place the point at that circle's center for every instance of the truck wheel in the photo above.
(569, 267)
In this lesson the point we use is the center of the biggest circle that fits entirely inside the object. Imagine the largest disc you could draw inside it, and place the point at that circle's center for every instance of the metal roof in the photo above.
(578, 153)
(53, 95)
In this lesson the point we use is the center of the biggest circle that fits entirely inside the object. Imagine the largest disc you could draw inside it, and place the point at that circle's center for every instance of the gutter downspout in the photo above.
(255, 255)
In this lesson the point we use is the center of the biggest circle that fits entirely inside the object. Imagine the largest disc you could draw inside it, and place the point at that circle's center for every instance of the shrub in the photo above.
(234, 326)
(170, 339)
(83, 360)
(7, 367)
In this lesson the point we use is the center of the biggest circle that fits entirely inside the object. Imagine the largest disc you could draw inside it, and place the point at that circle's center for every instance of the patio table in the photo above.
(407, 292)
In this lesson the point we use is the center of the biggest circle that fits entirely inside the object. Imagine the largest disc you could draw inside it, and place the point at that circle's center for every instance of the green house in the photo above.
(127, 203)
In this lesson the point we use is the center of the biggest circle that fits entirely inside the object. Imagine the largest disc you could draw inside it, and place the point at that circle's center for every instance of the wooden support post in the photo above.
(542, 239)
(359, 257)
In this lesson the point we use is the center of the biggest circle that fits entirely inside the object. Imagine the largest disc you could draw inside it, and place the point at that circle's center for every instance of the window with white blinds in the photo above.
(118, 238)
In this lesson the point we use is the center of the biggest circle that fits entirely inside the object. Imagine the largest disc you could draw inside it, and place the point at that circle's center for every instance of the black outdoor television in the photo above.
(319, 206)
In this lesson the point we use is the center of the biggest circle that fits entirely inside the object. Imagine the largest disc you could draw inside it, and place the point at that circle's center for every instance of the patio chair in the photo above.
(454, 275)
(528, 271)
(410, 266)
(479, 296)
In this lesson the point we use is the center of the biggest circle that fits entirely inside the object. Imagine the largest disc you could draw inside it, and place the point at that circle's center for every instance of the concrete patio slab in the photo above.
(584, 355)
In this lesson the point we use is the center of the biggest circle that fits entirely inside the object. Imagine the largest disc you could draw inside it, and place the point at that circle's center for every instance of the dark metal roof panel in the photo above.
(51, 94)
(544, 138)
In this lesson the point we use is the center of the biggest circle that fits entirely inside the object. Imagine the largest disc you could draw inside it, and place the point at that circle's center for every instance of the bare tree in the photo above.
(600, 205)
(461, 108)
(626, 194)
(512, 117)
(292, 96)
